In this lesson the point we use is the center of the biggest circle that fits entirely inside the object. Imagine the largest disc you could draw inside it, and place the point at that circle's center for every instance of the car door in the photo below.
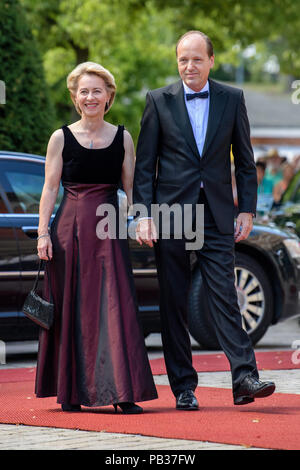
(10, 269)
(23, 180)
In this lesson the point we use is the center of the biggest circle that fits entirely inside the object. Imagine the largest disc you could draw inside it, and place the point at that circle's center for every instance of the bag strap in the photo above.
(38, 275)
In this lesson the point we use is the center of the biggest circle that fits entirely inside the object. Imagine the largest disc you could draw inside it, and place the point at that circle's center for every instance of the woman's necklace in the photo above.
(91, 144)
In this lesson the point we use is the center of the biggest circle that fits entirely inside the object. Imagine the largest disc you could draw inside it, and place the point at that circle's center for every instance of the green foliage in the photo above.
(244, 22)
(27, 117)
(135, 40)
(135, 44)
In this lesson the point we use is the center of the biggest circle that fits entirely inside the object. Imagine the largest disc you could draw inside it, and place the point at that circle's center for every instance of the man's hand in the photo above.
(244, 224)
(146, 232)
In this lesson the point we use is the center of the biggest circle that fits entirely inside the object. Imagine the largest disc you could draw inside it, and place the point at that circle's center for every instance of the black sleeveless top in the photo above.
(83, 165)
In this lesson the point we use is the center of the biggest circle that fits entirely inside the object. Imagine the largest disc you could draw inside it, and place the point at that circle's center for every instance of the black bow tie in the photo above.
(201, 94)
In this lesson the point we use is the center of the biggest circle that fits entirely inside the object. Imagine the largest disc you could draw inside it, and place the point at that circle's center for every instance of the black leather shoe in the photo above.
(186, 401)
(251, 388)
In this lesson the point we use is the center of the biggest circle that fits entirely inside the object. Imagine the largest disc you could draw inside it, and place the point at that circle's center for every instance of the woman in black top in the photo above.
(94, 355)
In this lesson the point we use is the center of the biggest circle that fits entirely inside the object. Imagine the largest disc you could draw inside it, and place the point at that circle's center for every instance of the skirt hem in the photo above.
(98, 404)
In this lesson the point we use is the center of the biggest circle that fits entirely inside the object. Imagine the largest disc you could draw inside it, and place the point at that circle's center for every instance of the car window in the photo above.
(23, 182)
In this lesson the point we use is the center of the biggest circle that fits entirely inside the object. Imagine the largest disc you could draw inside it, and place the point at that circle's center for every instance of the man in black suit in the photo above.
(183, 156)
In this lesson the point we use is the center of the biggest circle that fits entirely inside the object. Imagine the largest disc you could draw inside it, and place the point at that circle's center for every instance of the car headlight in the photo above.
(293, 247)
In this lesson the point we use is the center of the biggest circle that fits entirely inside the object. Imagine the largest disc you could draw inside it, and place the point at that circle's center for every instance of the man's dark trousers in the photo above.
(216, 261)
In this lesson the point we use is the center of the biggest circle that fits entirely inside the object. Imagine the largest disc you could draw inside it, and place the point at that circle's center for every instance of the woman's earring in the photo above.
(106, 106)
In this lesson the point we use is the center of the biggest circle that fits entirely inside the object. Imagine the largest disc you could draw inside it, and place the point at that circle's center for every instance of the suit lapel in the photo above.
(218, 99)
(181, 117)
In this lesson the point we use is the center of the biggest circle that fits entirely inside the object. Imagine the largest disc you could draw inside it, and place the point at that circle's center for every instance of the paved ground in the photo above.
(20, 437)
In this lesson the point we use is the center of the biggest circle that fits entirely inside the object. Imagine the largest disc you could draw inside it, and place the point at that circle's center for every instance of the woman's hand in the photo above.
(44, 248)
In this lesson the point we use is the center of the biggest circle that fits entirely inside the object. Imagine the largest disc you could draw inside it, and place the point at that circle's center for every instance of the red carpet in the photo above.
(273, 422)
(17, 375)
(270, 360)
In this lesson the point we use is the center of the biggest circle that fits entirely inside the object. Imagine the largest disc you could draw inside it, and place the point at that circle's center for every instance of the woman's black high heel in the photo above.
(68, 407)
(128, 408)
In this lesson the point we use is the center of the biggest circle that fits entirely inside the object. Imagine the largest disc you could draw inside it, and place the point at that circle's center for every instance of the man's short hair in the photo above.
(209, 44)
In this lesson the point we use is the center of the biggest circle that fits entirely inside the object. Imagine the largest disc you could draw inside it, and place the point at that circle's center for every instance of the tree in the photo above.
(135, 40)
(27, 117)
(243, 22)
(139, 51)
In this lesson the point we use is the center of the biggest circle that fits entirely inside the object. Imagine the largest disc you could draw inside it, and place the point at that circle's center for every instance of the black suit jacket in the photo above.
(169, 168)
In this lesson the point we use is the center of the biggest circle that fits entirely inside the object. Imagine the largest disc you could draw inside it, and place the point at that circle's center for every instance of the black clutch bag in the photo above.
(37, 309)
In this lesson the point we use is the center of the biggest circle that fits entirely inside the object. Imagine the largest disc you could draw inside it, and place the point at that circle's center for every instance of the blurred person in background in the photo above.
(260, 171)
(296, 163)
(281, 186)
(273, 172)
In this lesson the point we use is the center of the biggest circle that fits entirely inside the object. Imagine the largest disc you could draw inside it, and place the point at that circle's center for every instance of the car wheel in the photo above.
(254, 297)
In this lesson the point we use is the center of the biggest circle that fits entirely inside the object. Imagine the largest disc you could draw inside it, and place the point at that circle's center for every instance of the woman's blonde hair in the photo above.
(95, 69)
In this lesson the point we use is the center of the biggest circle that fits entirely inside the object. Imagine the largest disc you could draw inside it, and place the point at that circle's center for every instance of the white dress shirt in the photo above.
(198, 110)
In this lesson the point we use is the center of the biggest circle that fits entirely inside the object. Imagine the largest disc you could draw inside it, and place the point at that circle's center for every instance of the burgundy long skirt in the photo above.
(95, 353)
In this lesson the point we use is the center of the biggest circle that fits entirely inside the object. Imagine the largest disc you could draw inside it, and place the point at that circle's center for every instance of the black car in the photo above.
(267, 265)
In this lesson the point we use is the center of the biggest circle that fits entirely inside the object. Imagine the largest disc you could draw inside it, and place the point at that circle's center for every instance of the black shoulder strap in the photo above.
(38, 275)
(120, 133)
(65, 130)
